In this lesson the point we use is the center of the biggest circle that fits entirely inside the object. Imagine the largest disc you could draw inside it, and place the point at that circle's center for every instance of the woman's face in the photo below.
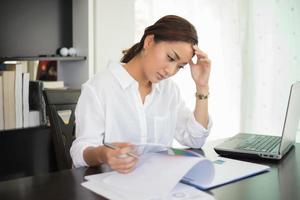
(164, 59)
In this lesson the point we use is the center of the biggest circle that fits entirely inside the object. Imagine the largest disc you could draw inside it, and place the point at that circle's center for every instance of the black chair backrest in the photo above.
(60, 105)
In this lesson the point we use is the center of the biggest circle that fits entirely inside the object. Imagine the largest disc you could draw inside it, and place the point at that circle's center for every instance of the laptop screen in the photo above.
(292, 118)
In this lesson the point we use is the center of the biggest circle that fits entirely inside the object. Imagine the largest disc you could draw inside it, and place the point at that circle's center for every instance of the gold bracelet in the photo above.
(201, 96)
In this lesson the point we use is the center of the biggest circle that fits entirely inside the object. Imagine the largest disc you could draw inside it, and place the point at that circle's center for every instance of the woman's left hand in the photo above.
(201, 69)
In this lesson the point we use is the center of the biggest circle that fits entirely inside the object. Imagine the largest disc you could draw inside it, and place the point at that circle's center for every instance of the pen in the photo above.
(111, 146)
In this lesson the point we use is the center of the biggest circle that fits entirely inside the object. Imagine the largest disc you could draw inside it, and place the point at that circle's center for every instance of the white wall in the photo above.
(254, 48)
(113, 29)
(271, 65)
(74, 73)
(101, 30)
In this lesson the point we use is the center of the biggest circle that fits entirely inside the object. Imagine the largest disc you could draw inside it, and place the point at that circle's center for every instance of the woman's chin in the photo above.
(155, 80)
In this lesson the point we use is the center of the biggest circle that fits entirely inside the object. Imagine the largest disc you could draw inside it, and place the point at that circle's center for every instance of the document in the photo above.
(144, 148)
(160, 175)
(226, 171)
(179, 192)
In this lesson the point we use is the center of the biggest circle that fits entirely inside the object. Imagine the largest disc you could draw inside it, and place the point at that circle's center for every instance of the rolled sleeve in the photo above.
(77, 155)
(193, 134)
(196, 129)
(189, 132)
(89, 117)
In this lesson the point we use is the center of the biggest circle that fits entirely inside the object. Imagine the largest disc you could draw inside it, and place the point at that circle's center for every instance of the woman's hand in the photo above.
(118, 159)
(201, 69)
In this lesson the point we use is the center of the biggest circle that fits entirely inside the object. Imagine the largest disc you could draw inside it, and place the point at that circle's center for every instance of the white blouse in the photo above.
(110, 104)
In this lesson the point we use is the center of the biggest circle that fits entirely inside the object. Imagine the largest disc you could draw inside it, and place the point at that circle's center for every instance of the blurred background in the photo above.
(254, 46)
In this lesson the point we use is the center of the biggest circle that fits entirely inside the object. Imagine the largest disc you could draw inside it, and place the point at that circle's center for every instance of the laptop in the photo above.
(267, 146)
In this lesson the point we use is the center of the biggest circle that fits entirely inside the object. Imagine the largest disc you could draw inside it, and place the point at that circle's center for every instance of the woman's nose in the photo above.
(170, 70)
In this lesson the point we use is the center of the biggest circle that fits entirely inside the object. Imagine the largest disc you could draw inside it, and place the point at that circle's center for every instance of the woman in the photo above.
(134, 101)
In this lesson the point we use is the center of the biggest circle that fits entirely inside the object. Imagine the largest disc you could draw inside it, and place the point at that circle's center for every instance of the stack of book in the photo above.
(21, 95)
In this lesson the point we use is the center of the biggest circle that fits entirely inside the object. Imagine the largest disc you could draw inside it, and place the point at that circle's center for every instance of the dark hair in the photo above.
(167, 28)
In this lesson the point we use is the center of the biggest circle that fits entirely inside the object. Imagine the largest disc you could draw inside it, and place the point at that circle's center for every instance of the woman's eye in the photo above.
(171, 59)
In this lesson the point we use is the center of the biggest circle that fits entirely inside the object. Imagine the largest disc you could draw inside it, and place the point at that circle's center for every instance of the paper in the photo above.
(228, 170)
(180, 192)
(158, 176)
(144, 148)
(152, 167)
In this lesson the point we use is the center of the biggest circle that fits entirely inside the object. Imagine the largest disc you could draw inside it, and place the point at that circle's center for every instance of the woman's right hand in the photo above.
(118, 160)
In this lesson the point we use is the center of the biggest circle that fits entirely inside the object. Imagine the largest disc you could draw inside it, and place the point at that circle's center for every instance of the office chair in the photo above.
(60, 105)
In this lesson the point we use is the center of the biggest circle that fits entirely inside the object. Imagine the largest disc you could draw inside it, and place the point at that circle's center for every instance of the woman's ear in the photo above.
(149, 41)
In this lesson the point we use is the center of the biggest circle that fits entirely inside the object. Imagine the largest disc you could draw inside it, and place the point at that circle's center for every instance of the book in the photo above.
(157, 174)
(1, 105)
(32, 68)
(18, 69)
(53, 84)
(9, 109)
(25, 97)
(24, 65)
(36, 100)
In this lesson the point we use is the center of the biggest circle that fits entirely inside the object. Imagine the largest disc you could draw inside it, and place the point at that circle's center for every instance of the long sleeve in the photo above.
(90, 122)
(188, 131)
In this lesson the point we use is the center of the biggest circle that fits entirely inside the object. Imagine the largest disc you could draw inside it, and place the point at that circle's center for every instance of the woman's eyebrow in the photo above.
(178, 57)
(176, 54)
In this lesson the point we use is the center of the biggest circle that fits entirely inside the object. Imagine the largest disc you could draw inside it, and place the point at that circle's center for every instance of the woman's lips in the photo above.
(160, 76)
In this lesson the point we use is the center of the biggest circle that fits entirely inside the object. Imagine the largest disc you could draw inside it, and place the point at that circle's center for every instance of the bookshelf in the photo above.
(41, 58)
(32, 35)
(73, 70)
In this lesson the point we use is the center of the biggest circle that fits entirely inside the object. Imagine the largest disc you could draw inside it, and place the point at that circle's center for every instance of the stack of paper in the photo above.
(180, 192)
(158, 175)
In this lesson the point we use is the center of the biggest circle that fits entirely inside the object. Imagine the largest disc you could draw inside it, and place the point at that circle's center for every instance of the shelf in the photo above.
(30, 58)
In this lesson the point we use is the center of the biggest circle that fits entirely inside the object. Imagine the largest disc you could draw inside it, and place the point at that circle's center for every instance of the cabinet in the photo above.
(26, 152)
(72, 70)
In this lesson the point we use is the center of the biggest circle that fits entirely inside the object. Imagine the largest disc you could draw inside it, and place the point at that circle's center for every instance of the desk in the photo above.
(283, 182)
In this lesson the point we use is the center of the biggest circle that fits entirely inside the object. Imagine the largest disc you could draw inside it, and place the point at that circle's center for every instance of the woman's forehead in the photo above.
(183, 50)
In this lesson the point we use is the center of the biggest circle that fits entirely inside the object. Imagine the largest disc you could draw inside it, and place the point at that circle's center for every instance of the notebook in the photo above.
(266, 146)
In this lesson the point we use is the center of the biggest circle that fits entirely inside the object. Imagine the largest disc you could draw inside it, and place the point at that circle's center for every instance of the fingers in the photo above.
(201, 56)
(199, 53)
(122, 144)
(191, 63)
(121, 149)
(125, 167)
(205, 60)
(124, 164)
(119, 160)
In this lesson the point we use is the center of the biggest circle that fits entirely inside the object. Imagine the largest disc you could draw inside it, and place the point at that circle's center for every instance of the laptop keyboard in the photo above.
(260, 143)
